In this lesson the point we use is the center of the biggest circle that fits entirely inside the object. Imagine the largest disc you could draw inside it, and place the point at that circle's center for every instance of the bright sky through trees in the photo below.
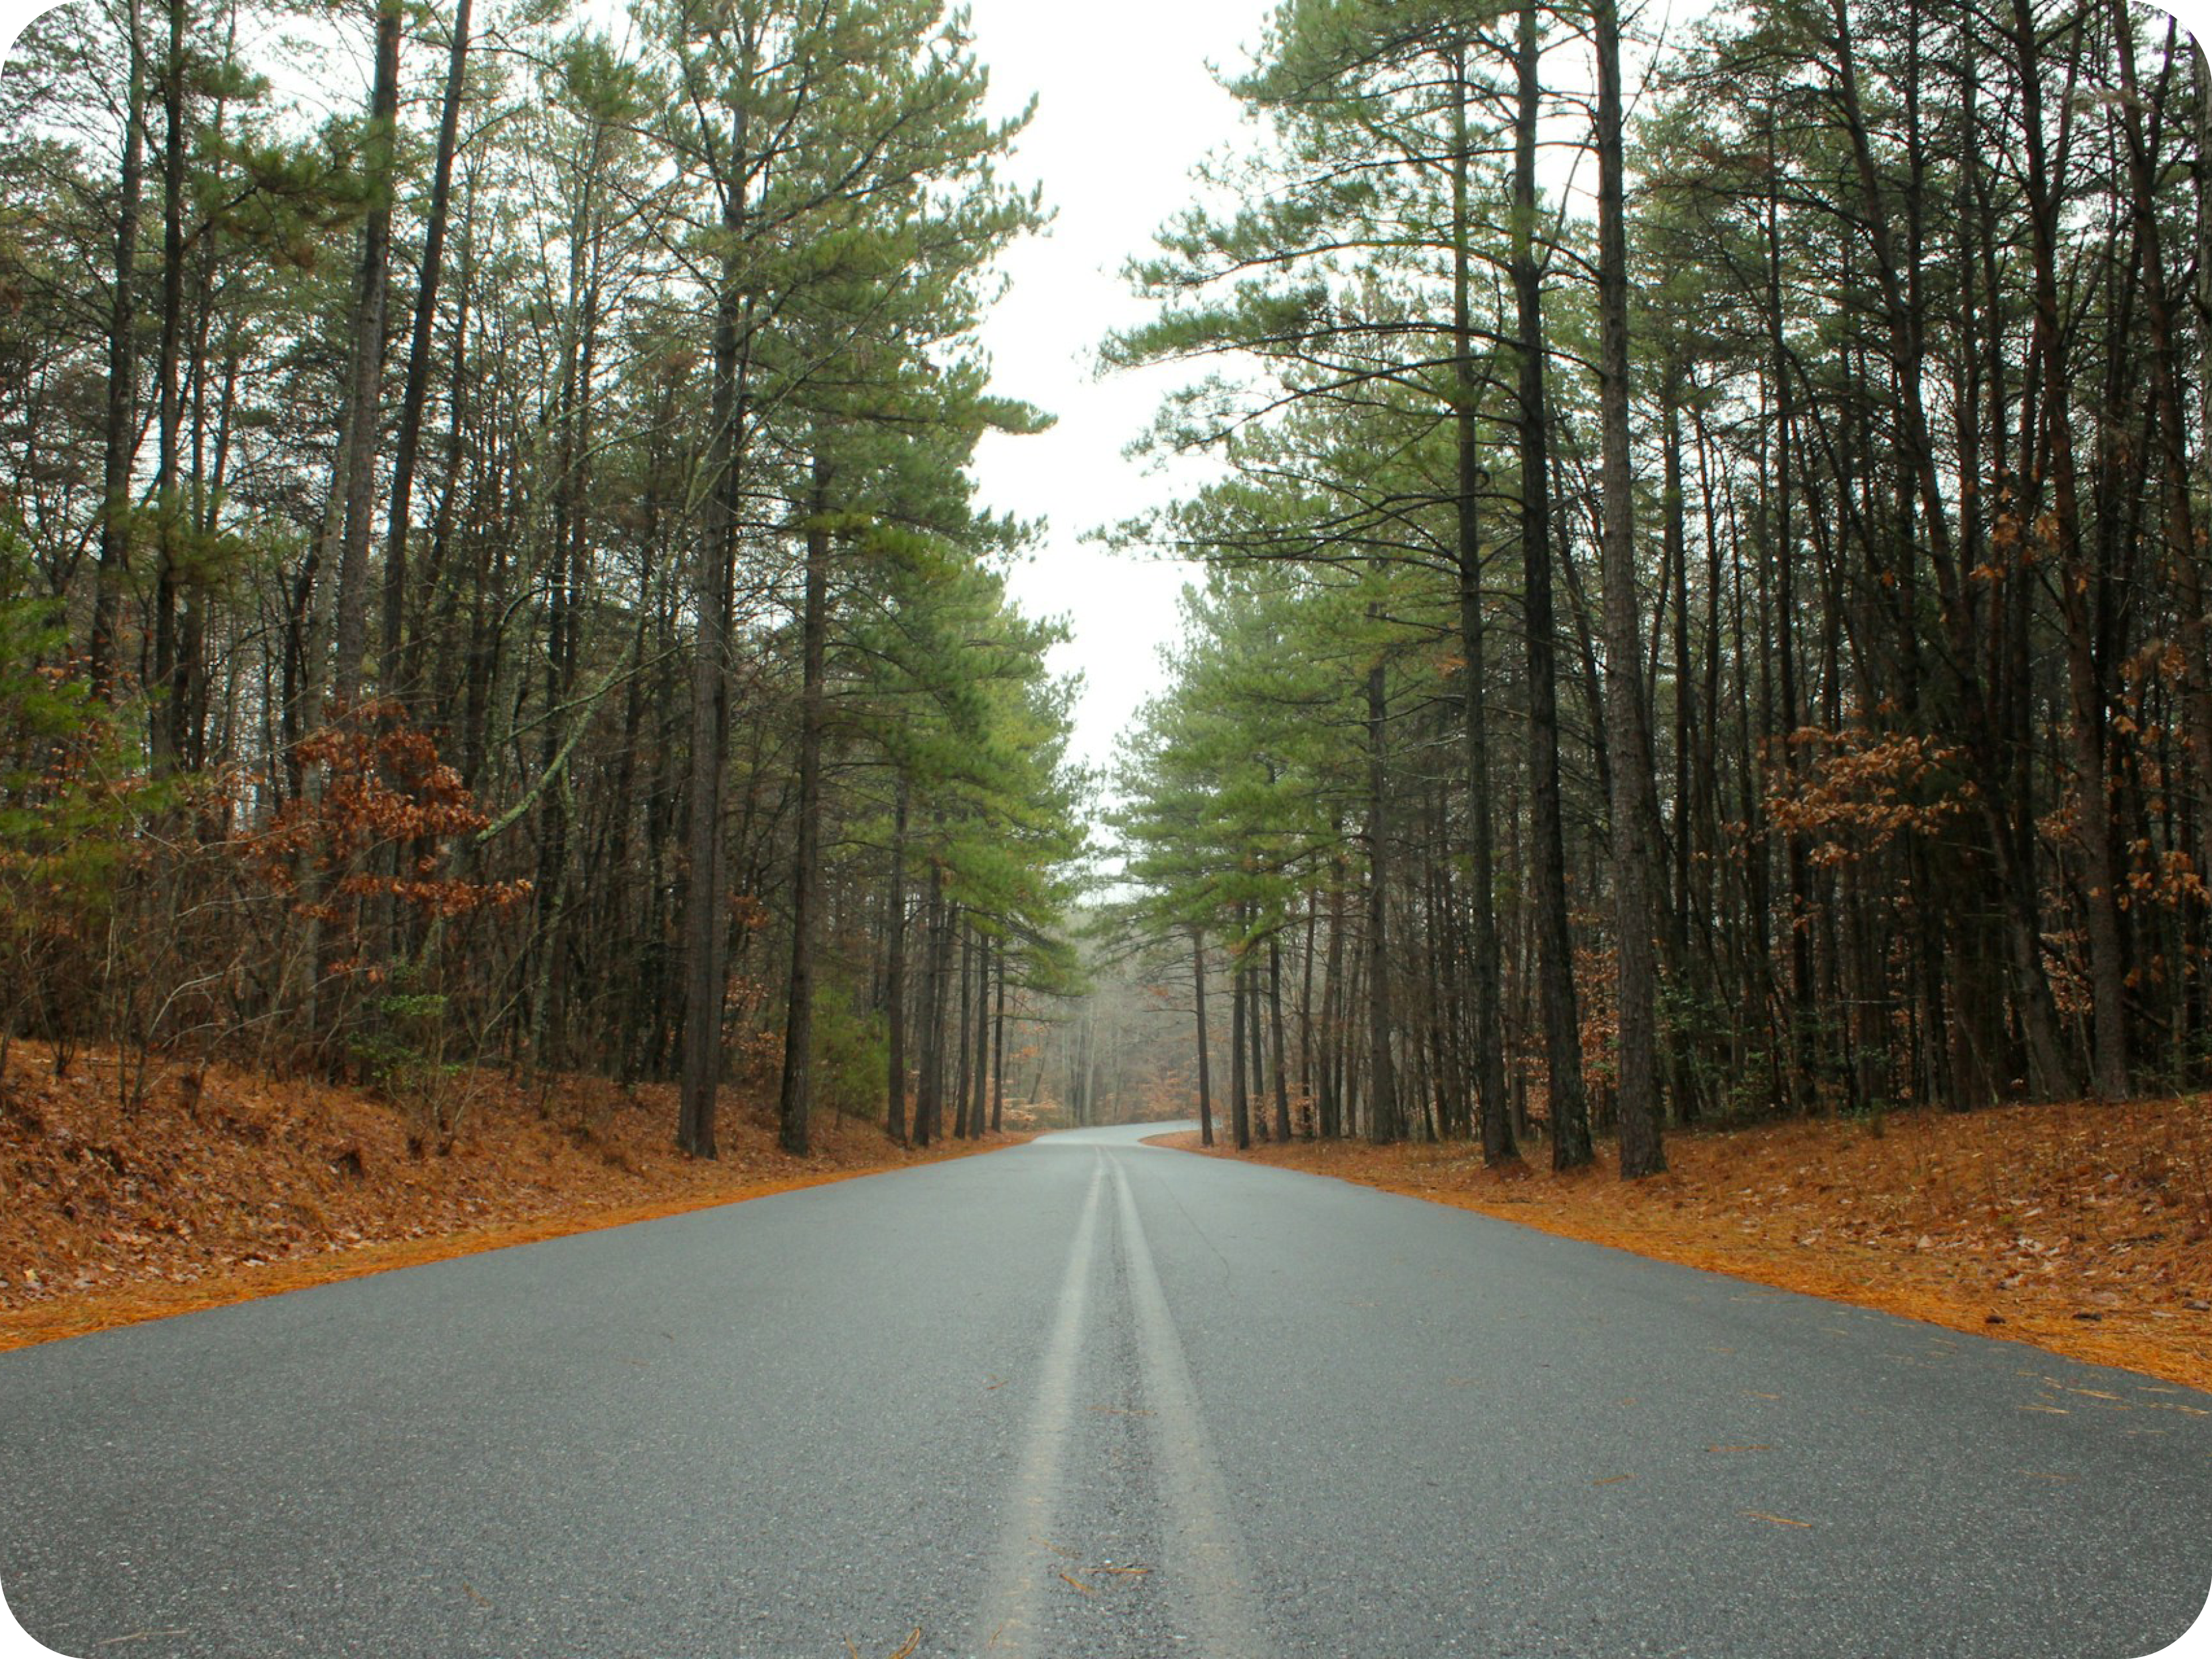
(1126, 108)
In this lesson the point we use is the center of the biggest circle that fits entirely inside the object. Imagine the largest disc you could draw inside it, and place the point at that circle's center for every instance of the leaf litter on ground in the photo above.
(2084, 1228)
(224, 1184)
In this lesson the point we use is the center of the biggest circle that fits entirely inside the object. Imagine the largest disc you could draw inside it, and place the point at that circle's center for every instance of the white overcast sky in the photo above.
(1126, 106)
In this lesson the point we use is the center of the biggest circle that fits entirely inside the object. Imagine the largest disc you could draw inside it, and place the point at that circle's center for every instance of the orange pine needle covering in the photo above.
(2083, 1229)
(224, 1185)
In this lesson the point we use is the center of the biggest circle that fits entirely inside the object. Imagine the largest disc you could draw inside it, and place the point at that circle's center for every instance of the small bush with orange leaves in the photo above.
(384, 790)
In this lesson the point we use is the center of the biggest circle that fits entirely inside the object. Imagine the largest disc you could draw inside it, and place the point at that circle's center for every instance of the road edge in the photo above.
(138, 1303)
(2086, 1347)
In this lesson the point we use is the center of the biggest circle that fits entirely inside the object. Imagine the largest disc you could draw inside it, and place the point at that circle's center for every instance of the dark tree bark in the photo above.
(1240, 1111)
(1205, 1053)
(977, 1121)
(929, 1089)
(168, 685)
(1796, 855)
(1635, 805)
(1485, 969)
(2085, 671)
(963, 1123)
(1563, 1048)
(356, 479)
(1385, 1120)
(1692, 972)
(120, 433)
(2177, 519)
(795, 1093)
(895, 976)
(1306, 1013)
(999, 1048)
(940, 990)
(1275, 1024)
(1333, 1001)
(703, 920)
(408, 441)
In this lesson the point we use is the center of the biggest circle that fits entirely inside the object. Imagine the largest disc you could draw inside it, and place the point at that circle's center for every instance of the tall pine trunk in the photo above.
(704, 924)
(895, 976)
(2081, 592)
(1275, 1026)
(1485, 970)
(408, 442)
(120, 431)
(795, 1094)
(1240, 1108)
(1205, 1053)
(999, 1048)
(1562, 1046)
(963, 1067)
(1385, 1122)
(356, 472)
(1635, 805)
(168, 491)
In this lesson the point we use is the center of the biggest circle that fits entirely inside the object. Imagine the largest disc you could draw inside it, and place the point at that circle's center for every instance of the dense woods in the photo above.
(1684, 754)
(490, 575)
(1702, 610)
(1703, 614)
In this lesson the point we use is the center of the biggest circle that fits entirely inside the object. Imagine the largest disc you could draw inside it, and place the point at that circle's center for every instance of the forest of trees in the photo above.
(1704, 604)
(490, 575)
(1704, 614)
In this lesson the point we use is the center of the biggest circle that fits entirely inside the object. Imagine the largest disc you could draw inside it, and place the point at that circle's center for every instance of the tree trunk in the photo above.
(1485, 972)
(704, 926)
(1240, 1106)
(1275, 1024)
(120, 434)
(1797, 859)
(929, 1087)
(795, 1094)
(999, 1050)
(2177, 519)
(1563, 1050)
(963, 1125)
(1306, 1014)
(2080, 594)
(409, 439)
(895, 976)
(977, 1122)
(1334, 1021)
(1205, 1057)
(168, 713)
(1692, 978)
(1635, 805)
(357, 477)
(1385, 1121)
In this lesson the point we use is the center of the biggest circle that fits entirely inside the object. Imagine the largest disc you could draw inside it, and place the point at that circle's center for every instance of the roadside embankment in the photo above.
(2083, 1229)
(221, 1184)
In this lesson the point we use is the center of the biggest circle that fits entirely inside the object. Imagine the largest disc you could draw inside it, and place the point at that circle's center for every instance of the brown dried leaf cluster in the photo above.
(1859, 788)
(2085, 1229)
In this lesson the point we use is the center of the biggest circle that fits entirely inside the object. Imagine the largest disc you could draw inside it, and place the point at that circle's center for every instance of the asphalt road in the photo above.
(1087, 1400)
